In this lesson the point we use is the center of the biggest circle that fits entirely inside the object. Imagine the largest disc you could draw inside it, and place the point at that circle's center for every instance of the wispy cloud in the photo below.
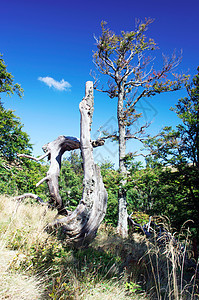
(58, 85)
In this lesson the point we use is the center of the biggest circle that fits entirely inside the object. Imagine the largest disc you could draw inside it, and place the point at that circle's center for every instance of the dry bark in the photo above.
(79, 226)
(30, 195)
(122, 226)
(54, 150)
(82, 224)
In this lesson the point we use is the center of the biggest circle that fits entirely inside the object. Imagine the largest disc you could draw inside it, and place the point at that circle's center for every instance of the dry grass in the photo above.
(164, 268)
(21, 225)
(35, 265)
(14, 285)
(108, 291)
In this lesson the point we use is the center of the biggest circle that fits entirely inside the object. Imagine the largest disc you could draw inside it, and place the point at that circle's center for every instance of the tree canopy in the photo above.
(124, 59)
(178, 148)
(13, 139)
(7, 84)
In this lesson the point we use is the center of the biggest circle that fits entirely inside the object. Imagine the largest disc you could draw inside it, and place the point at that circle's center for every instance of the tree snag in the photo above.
(79, 226)
(54, 151)
(125, 59)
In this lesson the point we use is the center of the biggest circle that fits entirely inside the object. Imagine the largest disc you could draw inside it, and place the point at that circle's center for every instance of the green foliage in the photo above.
(140, 218)
(70, 182)
(21, 176)
(7, 84)
(178, 149)
(17, 176)
(180, 146)
(76, 162)
(187, 109)
(7, 184)
(13, 139)
(160, 190)
(140, 185)
(133, 287)
(111, 180)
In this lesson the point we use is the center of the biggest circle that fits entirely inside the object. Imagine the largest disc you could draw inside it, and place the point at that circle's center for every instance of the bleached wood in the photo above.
(33, 158)
(30, 195)
(81, 225)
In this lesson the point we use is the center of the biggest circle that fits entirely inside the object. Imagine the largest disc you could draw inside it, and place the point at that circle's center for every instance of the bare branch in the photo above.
(34, 158)
(143, 94)
(30, 195)
(105, 68)
(135, 154)
(42, 180)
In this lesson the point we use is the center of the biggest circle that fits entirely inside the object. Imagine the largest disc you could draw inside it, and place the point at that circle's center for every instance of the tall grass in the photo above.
(21, 226)
(163, 265)
(174, 270)
(36, 264)
(40, 265)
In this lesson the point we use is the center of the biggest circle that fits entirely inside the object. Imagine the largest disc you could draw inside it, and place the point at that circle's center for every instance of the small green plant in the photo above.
(63, 290)
(133, 287)
(140, 217)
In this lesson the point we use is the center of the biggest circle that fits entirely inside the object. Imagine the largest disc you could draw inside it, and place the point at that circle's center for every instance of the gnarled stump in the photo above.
(81, 225)
(54, 150)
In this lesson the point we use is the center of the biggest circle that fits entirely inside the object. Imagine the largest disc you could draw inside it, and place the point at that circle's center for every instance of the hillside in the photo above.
(37, 265)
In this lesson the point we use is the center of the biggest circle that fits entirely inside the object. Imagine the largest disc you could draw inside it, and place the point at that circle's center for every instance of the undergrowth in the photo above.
(58, 270)
(110, 268)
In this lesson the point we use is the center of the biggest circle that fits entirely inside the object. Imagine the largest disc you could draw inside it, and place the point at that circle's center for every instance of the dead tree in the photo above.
(79, 226)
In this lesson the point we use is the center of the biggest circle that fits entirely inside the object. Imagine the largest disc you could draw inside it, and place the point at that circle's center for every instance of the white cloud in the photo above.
(58, 85)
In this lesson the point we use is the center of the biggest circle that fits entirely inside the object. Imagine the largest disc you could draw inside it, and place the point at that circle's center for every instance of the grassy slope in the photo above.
(37, 265)
(20, 227)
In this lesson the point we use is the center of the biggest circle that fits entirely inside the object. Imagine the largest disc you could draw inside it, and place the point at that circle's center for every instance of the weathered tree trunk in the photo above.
(54, 150)
(81, 225)
(122, 226)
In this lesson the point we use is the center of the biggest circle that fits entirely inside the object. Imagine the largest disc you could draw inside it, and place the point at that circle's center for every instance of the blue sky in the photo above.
(55, 39)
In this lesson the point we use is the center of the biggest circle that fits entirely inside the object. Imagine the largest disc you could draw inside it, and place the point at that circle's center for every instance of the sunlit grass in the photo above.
(21, 225)
(16, 285)
(36, 264)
